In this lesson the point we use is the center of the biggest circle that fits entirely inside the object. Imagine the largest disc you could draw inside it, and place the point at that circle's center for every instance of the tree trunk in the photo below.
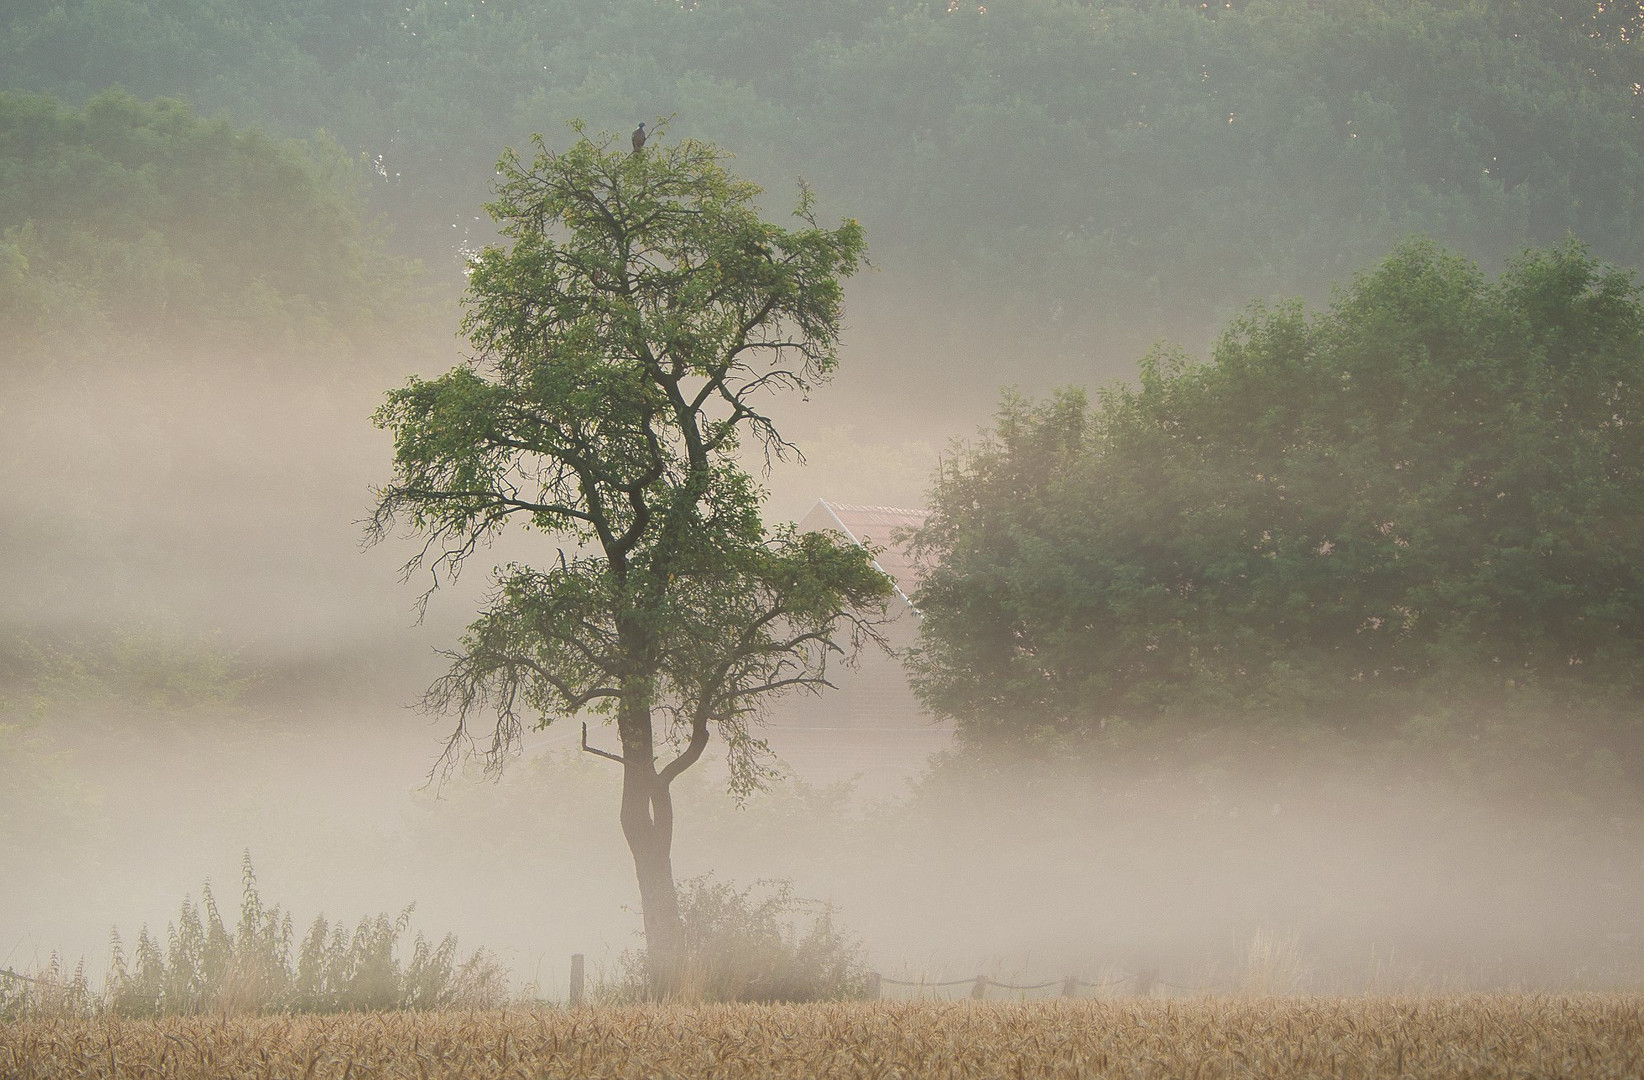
(648, 825)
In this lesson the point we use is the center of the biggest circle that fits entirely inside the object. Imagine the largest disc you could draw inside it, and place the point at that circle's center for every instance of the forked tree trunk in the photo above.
(648, 825)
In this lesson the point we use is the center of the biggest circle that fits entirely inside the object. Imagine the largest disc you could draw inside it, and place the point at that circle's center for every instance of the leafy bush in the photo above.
(52, 991)
(1417, 513)
(749, 945)
(201, 967)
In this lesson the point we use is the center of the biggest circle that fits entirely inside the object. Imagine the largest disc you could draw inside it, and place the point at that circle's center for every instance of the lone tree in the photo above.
(626, 342)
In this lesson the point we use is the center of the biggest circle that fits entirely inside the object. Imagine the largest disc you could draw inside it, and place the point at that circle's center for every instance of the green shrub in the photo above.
(754, 944)
(202, 967)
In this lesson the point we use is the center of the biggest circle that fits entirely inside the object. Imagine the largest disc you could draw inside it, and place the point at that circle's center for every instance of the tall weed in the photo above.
(200, 966)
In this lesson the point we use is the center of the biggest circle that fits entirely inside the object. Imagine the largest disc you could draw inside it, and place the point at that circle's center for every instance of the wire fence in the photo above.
(1143, 983)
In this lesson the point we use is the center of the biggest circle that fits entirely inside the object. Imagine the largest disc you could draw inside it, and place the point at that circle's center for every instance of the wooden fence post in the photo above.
(576, 979)
(1070, 986)
(980, 990)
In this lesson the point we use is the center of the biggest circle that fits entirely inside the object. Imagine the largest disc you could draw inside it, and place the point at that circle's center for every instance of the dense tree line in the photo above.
(155, 268)
(1418, 510)
(139, 220)
(1134, 166)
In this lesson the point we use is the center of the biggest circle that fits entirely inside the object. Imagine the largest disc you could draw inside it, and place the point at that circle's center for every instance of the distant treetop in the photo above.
(144, 218)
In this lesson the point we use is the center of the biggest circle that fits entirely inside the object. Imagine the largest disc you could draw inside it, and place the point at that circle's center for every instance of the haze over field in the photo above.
(198, 319)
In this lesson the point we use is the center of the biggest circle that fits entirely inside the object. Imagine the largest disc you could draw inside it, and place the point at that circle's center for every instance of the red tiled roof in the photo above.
(885, 527)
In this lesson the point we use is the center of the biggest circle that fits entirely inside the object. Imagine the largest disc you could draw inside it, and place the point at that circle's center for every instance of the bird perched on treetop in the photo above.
(639, 138)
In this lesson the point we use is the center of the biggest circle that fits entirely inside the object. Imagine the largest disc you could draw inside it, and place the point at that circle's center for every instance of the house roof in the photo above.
(884, 527)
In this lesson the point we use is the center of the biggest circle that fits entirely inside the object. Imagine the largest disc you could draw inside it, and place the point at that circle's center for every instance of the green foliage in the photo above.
(1419, 510)
(205, 968)
(147, 663)
(755, 944)
(338, 971)
(1081, 164)
(625, 341)
(143, 218)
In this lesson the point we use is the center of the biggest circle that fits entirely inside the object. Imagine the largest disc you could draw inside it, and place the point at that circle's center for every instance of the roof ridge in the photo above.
(875, 509)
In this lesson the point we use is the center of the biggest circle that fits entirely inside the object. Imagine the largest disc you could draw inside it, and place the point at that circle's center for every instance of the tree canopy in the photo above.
(145, 219)
(627, 338)
(1096, 172)
(1427, 500)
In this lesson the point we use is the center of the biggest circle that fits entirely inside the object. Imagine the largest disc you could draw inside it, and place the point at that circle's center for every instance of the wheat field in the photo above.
(1594, 1036)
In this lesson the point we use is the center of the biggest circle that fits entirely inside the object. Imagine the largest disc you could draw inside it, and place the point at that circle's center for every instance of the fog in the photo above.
(198, 520)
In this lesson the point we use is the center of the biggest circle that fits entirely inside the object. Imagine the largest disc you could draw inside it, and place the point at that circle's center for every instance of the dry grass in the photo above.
(1477, 1037)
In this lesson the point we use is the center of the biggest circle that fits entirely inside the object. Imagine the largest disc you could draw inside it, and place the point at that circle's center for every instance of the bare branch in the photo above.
(596, 751)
